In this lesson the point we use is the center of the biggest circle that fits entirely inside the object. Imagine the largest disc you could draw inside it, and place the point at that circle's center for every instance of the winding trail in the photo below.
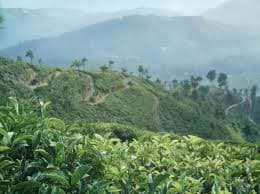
(228, 109)
(238, 104)
(249, 116)
(43, 83)
(156, 113)
(102, 99)
(91, 87)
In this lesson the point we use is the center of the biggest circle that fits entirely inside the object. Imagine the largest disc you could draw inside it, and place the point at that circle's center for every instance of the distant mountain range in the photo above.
(167, 45)
(26, 24)
(243, 13)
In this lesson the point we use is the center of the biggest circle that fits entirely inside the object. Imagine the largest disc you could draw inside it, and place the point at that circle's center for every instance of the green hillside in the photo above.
(114, 97)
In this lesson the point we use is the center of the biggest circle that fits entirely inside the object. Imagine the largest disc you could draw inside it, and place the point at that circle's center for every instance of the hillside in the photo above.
(230, 13)
(113, 97)
(164, 45)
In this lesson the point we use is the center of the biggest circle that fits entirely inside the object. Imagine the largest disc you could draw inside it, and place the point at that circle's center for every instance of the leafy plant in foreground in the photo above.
(43, 155)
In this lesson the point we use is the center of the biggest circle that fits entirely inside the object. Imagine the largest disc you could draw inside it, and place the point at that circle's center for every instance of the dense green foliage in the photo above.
(111, 97)
(39, 154)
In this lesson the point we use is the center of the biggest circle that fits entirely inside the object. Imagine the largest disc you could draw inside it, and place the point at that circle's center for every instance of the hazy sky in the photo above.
(186, 6)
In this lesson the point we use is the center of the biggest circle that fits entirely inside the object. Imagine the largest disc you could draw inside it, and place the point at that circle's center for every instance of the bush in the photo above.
(43, 155)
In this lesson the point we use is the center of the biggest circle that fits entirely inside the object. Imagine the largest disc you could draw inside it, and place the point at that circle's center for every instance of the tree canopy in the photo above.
(30, 54)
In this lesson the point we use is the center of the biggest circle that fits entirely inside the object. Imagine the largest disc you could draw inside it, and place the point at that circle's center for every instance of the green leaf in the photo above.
(99, 137)
(57, 179)
(5, 163)
(4, 148)
(27, 186)
(21, 138)
(5, 134)
(78, 174)
(36, 139)
(56, 124)
(43, 153)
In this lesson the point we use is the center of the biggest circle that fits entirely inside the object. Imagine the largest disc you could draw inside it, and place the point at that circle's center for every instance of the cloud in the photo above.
(187, 6)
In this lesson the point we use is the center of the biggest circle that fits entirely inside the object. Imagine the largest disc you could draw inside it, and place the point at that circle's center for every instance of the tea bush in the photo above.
(42, 155)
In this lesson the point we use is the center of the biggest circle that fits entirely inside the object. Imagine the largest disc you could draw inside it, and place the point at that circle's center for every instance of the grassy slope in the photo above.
(131, 103)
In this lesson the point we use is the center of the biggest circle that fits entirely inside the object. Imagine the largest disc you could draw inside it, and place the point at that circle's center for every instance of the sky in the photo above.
(183, 6)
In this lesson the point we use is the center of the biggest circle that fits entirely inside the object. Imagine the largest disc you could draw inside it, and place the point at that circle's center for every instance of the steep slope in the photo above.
(26, 24)
(112, 97)
(243, 13)
(165, 45)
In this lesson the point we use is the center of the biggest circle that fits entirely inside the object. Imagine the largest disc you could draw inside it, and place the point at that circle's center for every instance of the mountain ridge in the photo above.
(48, 22)
(150, 40)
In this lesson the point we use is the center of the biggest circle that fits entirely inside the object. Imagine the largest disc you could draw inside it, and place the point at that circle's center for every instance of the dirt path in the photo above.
(45, 82)
(103, 98)
(91, 87)
(242, 102)
(156, 113)
(250, 115)
(234, 106)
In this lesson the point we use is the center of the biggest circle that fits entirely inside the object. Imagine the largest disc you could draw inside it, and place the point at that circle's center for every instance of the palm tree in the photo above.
(141, 70)
(29, 54)
(76, 64)
(84, 62)
(40, 61)
(110, 62)
(124, 70)
(253, 97)
(19, 58)
(212, 75)
(222, 80)
(104, 68)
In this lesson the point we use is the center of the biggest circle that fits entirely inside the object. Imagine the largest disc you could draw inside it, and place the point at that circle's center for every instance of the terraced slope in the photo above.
(112, 97)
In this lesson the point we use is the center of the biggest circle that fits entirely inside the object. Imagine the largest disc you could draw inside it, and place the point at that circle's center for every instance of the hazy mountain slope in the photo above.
(112, 97)
(27, 24)
(244, 13)
(164, 44)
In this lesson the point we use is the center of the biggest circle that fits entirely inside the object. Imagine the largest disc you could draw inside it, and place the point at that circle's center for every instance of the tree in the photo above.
(30, 55)
(19, 58)
(124, 70)
(146, 74)
(110, 62)
(246, 92)
(222, 79)
(141, 70)
(1, 19)
(175, 83)
(76, 64)
(40, 61)
(195, 81)
(212, 75)
(204, 90)
(253, 97)
(158, 81)
(186, 87)
(84, 62)
(79, 63)
(104, 68)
